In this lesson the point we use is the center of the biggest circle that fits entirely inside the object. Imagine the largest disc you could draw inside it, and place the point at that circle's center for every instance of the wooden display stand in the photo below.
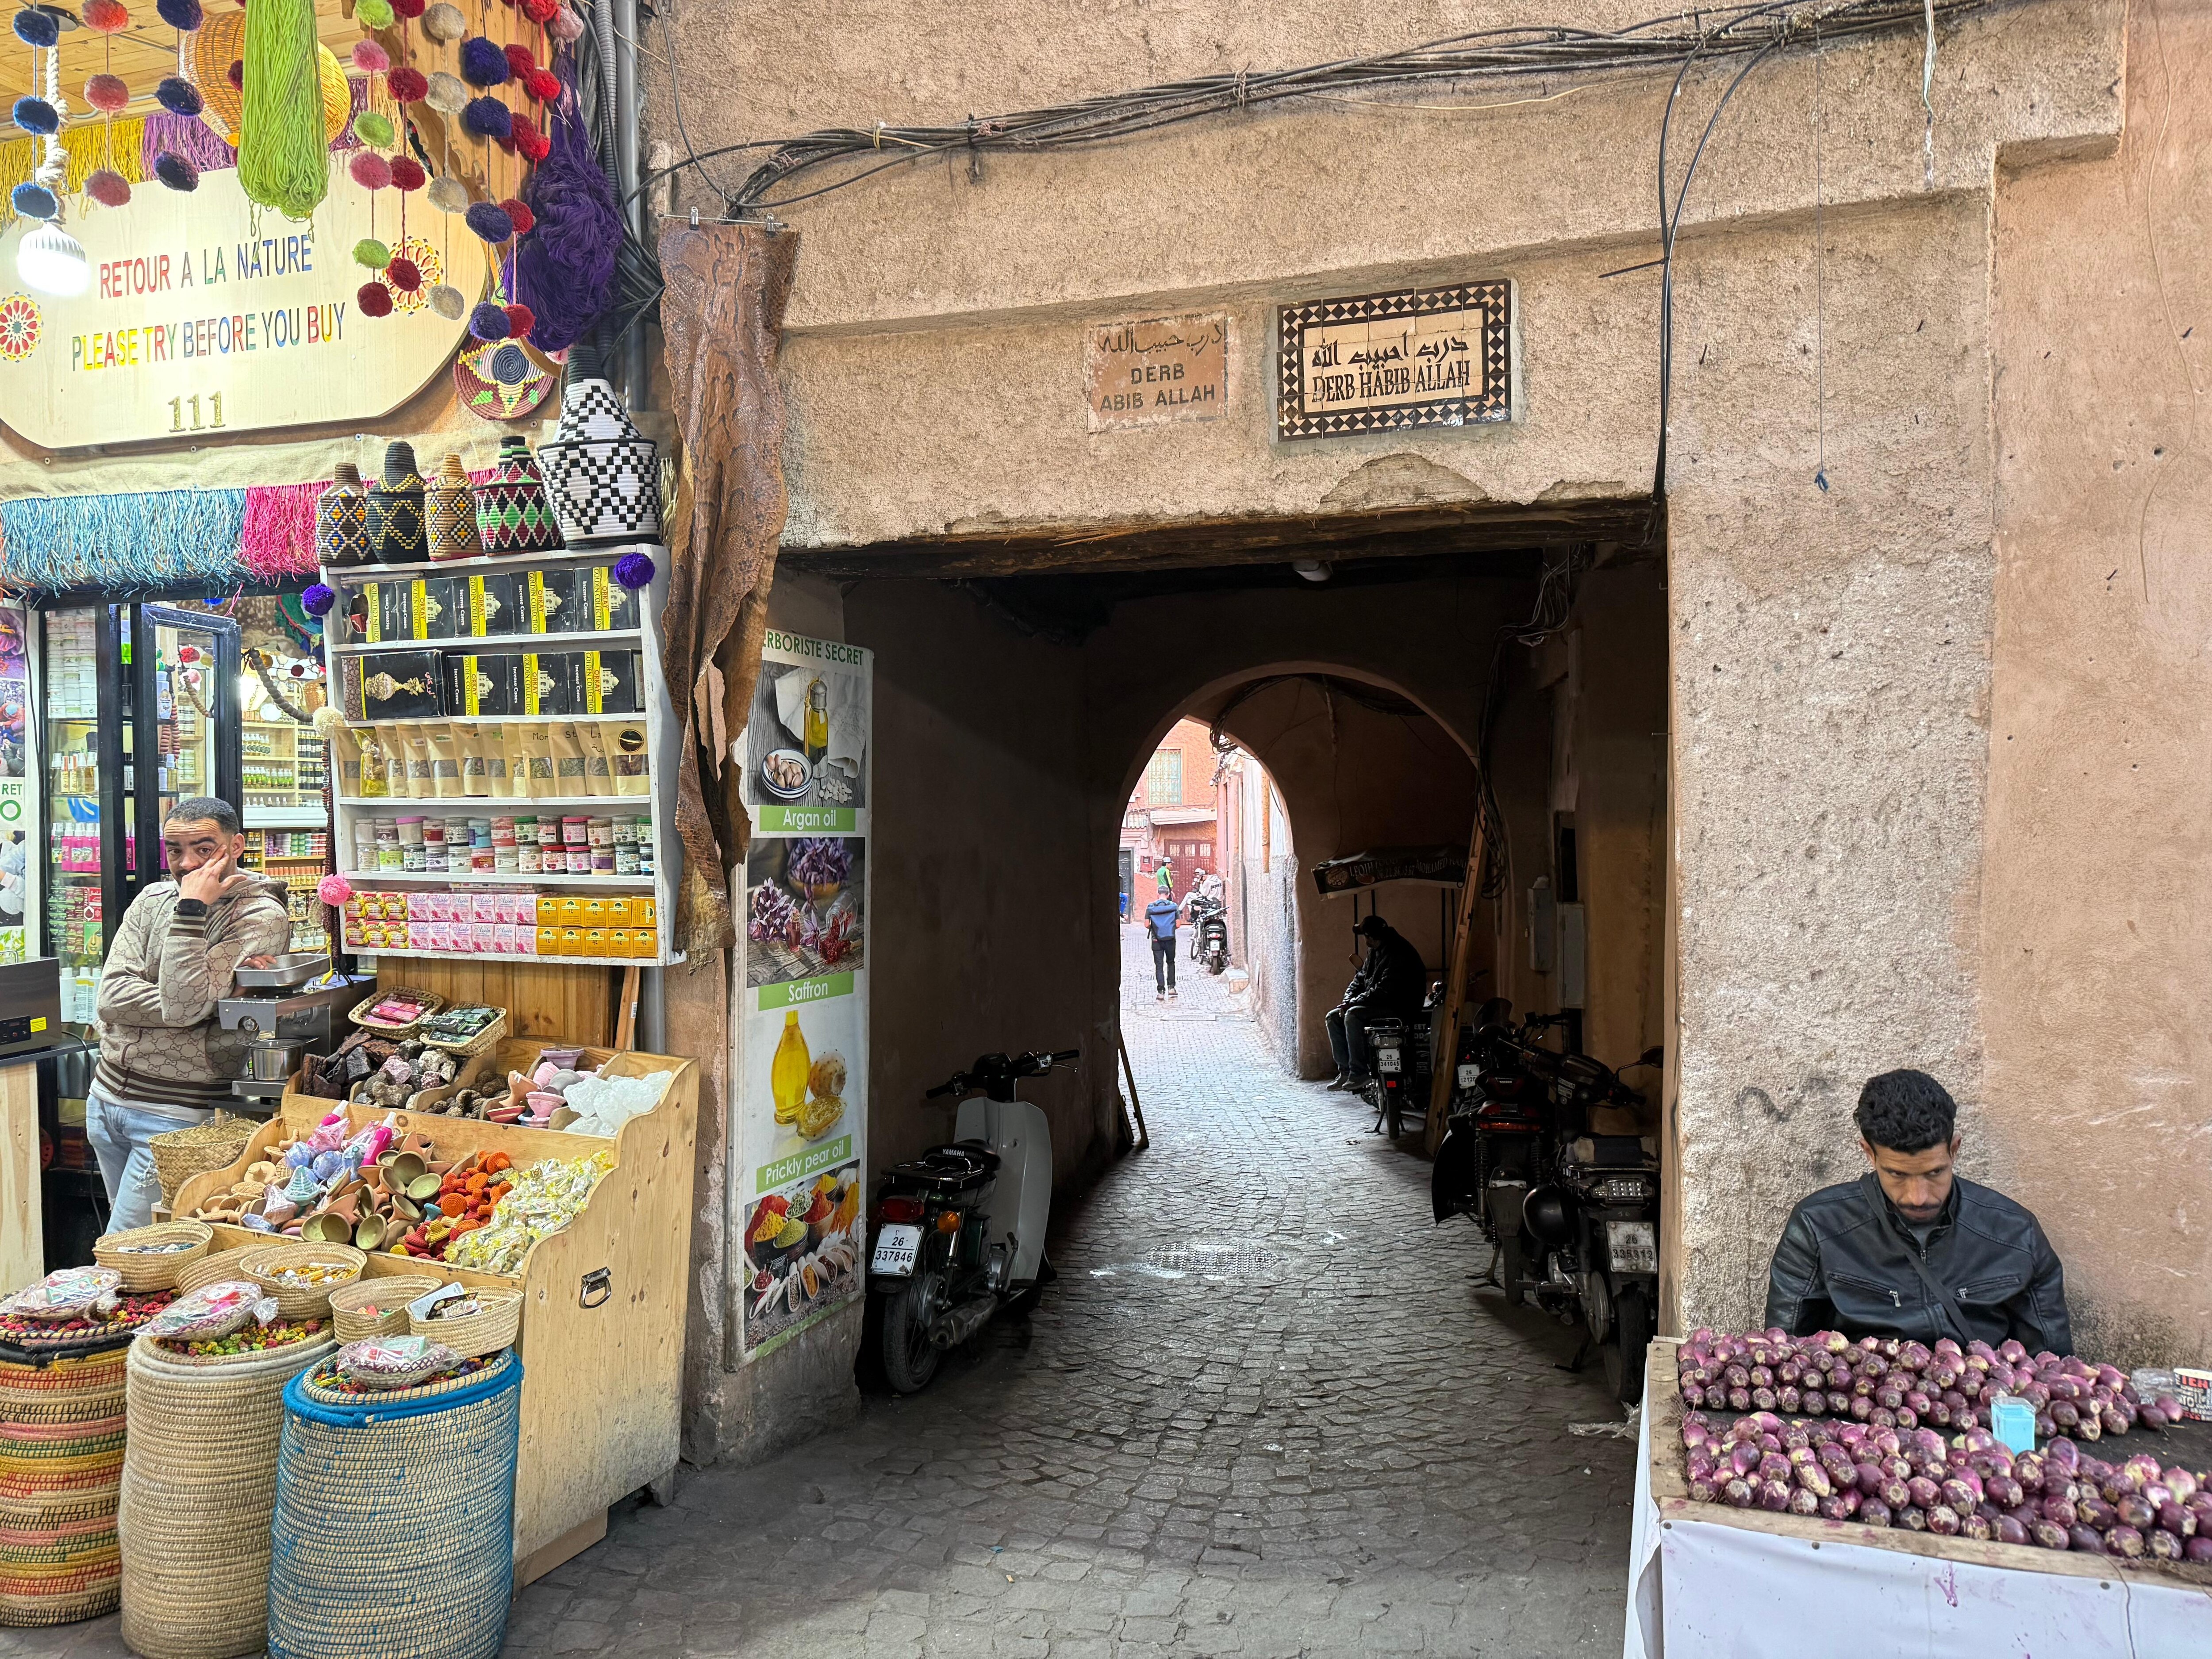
(603, 1301)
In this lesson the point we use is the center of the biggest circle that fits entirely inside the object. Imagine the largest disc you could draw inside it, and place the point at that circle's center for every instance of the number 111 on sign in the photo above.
(180, 406)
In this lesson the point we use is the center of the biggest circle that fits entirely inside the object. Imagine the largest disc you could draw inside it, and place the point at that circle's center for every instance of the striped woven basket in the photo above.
(61, 1468)
(354, 1572)
(199, 1481)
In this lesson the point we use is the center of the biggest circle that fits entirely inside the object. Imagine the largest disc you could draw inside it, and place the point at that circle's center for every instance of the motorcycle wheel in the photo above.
(1512, 1263)
(1625, 1352)
(909, 1358)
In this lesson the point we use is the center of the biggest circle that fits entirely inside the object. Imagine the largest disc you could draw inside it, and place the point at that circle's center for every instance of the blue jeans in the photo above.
(121, 1137)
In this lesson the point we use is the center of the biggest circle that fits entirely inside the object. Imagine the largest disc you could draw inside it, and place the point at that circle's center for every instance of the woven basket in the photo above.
(201, 1361)
(354, 1572)
(392, 1293)
(152, 1272)
(487, 1332)
(199, 1483)
(476, 1045)
(298, 1302)
(360, 1014)
(215, 1266)
(182, 1154)
(59, 1561)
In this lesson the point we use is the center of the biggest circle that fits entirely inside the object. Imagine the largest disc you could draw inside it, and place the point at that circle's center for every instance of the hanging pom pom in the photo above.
(488, 322)
(107, 187)
(540, 12)
(407, 172)
(448, 195)
(35, 201)
(490, 220)
(483, 63)
(374, 128)
(370, 58)
(236, 75)
(448, 302)
(37, 28)
(173, 170)
(178, 96)
(409, 8)
(37, 116)
(407, 86)
(316, 602)
(444, 93)
(542, 86)
(403, 274)
(565, 25)
(372, 14)
(530, 141)
(369, 170)
(370, 252)
(333, 888)
(106, 93)
(520, 62)
(107, 16)
(486, 117)
(444, 23)
(520, 216)
(182, 16)
(634, 570)
(375, 300)
(520, 319)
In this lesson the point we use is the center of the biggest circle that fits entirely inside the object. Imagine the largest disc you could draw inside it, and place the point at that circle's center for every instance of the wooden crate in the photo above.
(1670, 1492)
(604, 1302)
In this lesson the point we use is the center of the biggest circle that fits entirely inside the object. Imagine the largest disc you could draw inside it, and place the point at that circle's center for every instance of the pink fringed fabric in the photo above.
(279, 538)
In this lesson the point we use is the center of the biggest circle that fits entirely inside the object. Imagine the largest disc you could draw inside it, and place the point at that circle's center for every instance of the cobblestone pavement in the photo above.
(1265, 1413)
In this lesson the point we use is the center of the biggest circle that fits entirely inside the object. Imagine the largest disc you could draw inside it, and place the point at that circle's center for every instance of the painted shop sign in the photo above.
(1160, 370)
(206, 315)
(1440, 356)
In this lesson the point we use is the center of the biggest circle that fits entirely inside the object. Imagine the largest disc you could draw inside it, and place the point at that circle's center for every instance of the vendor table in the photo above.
(1704, 1578)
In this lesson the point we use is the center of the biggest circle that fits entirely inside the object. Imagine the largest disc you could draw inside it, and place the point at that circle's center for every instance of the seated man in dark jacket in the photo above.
(1911, 1249)
(1390, 984)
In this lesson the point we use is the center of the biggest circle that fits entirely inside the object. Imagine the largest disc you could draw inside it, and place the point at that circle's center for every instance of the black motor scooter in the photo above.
(1209, 934)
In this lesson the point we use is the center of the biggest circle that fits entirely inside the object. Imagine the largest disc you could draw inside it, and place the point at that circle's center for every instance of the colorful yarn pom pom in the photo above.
(316, 602)
(173, 170)
(410, 10)
(370, 58)
(37, 28)
(407, 172)
(444, 93)
(370, 252)
(236, 75)
(178, 96)
(107, 187)
(403, 274)
(542, 86)
(488, 322)
(490, 220)
(372, 14)
(373, 127)
(35, 201)
(448, 302)
(107, 16)
(520, 319)
(375, 300)
(369, 170)
(634, 570)
(520, 216)
(182, 16)
(333, 888)
(530, 141)
(520, 62)
(566, 25)
(107, 93)
(407, 85)
(37, 116)
(483, 62)
(540, 12)
(444, 23)
(486, 117)
(448, 195)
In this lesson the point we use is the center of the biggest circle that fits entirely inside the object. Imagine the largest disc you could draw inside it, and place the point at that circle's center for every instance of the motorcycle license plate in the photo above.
(895, 1250)
(1467, 1074)
(1386, 1059)
(1633, 1246)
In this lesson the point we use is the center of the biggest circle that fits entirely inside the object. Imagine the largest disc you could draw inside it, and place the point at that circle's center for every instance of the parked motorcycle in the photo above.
(1398, 1049)
(1574, 1215)
(960, 1231)
(1209, 933)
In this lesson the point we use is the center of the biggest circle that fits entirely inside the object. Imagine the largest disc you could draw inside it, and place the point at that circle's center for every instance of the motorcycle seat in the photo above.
(950, 1169)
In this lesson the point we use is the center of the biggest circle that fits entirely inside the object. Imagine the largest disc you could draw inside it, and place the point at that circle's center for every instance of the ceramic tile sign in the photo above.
(1160, 370)
(799, 1206)
(1380, 362)
(200, 313)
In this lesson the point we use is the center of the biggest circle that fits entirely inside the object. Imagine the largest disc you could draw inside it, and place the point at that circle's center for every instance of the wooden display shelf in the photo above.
(474, 879)
(378, 952)
(352, 575)
(509, 804)
(490, 719)
(604, 1300)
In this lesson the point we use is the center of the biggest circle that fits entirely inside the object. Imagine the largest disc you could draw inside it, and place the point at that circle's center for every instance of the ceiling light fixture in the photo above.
(1314, 570)
(53, 262)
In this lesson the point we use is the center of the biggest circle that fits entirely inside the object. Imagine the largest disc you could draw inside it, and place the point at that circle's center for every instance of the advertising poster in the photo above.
(802, 1060)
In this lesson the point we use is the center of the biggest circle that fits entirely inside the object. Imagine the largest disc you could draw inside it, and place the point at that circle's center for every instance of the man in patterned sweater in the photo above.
(164, 1061)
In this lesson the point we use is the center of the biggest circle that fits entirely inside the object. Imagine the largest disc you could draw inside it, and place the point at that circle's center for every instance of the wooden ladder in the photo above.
(1444, 1057)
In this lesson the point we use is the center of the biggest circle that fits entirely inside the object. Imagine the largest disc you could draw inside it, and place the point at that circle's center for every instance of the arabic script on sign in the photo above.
(1429, 357)
(1163, 368)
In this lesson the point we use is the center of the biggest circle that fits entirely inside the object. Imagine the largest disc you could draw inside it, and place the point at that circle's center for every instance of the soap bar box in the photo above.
(392, 685)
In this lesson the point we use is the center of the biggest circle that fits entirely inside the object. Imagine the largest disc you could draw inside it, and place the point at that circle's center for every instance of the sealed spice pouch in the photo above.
(599, 769)
(415, 746)
(445, 760)
(470, 740)
(626, 757)
(386, 741)
(211, 1311)
(571, 773)
(394, 1362)
(67, 1293)
(345, 763)
(500, 778)
(402, 686)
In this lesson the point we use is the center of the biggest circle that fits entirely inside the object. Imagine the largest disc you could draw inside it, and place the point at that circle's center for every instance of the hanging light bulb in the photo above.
(52, 261)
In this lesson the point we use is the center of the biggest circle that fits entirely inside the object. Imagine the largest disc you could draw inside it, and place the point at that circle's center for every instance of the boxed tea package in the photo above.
(499, 605)
(439, 607)
(626, 757)
(391, 685)
(550, 683)
(484, 685)
(610, 682)
(554, 606)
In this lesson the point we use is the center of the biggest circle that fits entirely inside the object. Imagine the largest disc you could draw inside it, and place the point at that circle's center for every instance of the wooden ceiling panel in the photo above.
(141, 55)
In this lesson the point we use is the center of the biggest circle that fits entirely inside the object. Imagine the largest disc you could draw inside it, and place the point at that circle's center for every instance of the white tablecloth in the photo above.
(1710, 1590)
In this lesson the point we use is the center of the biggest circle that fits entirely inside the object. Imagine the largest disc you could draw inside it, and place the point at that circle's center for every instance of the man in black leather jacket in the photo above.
(1389, 984)
(1911, 1249)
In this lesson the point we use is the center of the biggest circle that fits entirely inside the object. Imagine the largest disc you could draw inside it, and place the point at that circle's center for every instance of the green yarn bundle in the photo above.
(281, 161)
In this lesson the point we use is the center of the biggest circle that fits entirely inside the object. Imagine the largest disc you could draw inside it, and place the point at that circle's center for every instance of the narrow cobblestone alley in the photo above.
(1265, 1413)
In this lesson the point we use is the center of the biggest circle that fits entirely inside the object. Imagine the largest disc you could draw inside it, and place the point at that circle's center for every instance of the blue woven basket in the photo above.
(395, 1520)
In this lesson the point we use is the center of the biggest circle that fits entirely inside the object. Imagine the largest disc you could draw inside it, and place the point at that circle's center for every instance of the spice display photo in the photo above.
(806, 739)
(805, 1244)
(804, 900)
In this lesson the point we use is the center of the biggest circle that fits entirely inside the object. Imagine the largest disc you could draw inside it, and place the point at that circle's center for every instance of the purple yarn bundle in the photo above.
(564, 269)
(186, 136)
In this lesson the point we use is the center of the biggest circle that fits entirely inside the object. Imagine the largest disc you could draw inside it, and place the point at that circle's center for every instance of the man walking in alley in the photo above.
(1161, 916)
